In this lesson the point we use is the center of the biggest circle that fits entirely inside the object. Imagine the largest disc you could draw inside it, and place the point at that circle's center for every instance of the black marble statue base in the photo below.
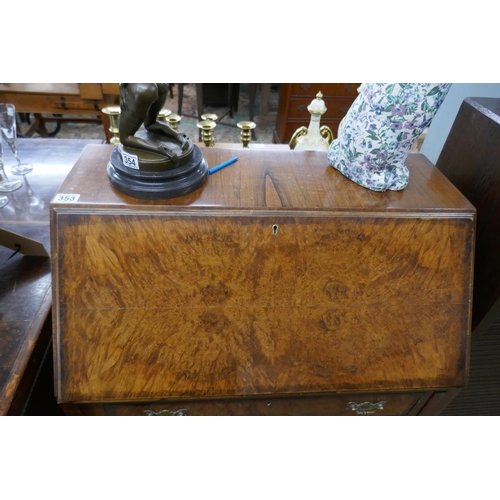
(158, 185)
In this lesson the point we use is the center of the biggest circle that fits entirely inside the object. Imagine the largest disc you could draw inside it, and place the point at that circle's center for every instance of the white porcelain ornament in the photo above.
(313, 138)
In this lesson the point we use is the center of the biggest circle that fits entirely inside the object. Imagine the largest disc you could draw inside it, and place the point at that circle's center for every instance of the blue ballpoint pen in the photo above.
(222, 165)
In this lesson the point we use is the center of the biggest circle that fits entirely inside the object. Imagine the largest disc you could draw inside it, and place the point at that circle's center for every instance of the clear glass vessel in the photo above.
(8, 128)
(6, 185)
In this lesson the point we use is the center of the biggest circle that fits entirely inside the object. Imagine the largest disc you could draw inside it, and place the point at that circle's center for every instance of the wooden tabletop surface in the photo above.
(278, 179)
(25, 291)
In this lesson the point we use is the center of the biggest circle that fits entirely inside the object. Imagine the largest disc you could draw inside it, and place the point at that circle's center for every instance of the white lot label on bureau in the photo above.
(131, 161)
(66, 198)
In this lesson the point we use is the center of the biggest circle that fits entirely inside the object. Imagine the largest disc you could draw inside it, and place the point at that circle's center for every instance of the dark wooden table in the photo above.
(25, 291)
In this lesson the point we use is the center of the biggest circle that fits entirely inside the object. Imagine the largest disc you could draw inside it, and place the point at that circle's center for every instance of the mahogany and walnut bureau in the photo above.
(277, 288)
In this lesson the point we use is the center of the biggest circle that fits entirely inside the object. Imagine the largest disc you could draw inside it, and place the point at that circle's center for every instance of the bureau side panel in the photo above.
(154, 306)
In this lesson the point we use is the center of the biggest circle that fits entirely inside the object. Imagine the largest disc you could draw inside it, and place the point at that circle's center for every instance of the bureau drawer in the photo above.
(35, 103)
(65, 103)
(358, 404)
(327, 89)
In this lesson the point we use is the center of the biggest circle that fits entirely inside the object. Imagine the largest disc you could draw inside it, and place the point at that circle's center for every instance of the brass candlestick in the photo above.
(207, 132)
(246, 132)
(114, 122)
(173, 120)
(163, 114)
(212, 117)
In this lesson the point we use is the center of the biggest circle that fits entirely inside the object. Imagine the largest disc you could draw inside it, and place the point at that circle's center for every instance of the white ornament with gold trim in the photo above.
(313, 138)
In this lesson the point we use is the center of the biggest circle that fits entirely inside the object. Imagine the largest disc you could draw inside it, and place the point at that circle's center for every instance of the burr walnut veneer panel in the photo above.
(277, 279)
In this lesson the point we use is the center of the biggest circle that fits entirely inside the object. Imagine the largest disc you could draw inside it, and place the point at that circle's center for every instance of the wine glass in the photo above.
(3, 201)
(6, 185)
(9, 134)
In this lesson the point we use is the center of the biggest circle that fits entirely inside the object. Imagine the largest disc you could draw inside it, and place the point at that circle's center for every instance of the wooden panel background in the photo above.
(471, 160)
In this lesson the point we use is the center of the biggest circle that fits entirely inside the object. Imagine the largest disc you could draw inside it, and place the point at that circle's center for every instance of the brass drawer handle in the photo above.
(166, 413)
(365, 408)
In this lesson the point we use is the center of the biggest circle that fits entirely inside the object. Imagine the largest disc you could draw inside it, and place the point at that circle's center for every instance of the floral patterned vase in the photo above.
(379, 130)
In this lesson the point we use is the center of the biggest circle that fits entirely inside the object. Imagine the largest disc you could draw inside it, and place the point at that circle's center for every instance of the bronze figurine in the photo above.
(153, 160)
(140, 104)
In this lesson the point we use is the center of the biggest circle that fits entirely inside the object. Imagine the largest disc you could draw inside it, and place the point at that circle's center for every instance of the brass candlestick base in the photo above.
(163, 114)
(173, 120)
(246, 132)
(208, 116)
(207, 132)
(114, 122)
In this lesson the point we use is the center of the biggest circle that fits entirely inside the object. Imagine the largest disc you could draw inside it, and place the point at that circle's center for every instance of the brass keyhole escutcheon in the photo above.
(275, 229)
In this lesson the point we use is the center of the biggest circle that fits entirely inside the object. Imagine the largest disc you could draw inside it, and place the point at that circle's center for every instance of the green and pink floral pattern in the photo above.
(379, 130)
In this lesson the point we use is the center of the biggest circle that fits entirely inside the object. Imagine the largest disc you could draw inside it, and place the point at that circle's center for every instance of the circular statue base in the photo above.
(157, 179)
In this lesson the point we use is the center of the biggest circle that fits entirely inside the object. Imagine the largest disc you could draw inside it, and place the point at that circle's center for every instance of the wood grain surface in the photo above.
(278, 277)
(470, 158)
(262, 179)
(25, 290)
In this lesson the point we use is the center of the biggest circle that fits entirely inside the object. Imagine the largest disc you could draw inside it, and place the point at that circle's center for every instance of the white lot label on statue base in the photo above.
(66, 198)
(131, 161)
